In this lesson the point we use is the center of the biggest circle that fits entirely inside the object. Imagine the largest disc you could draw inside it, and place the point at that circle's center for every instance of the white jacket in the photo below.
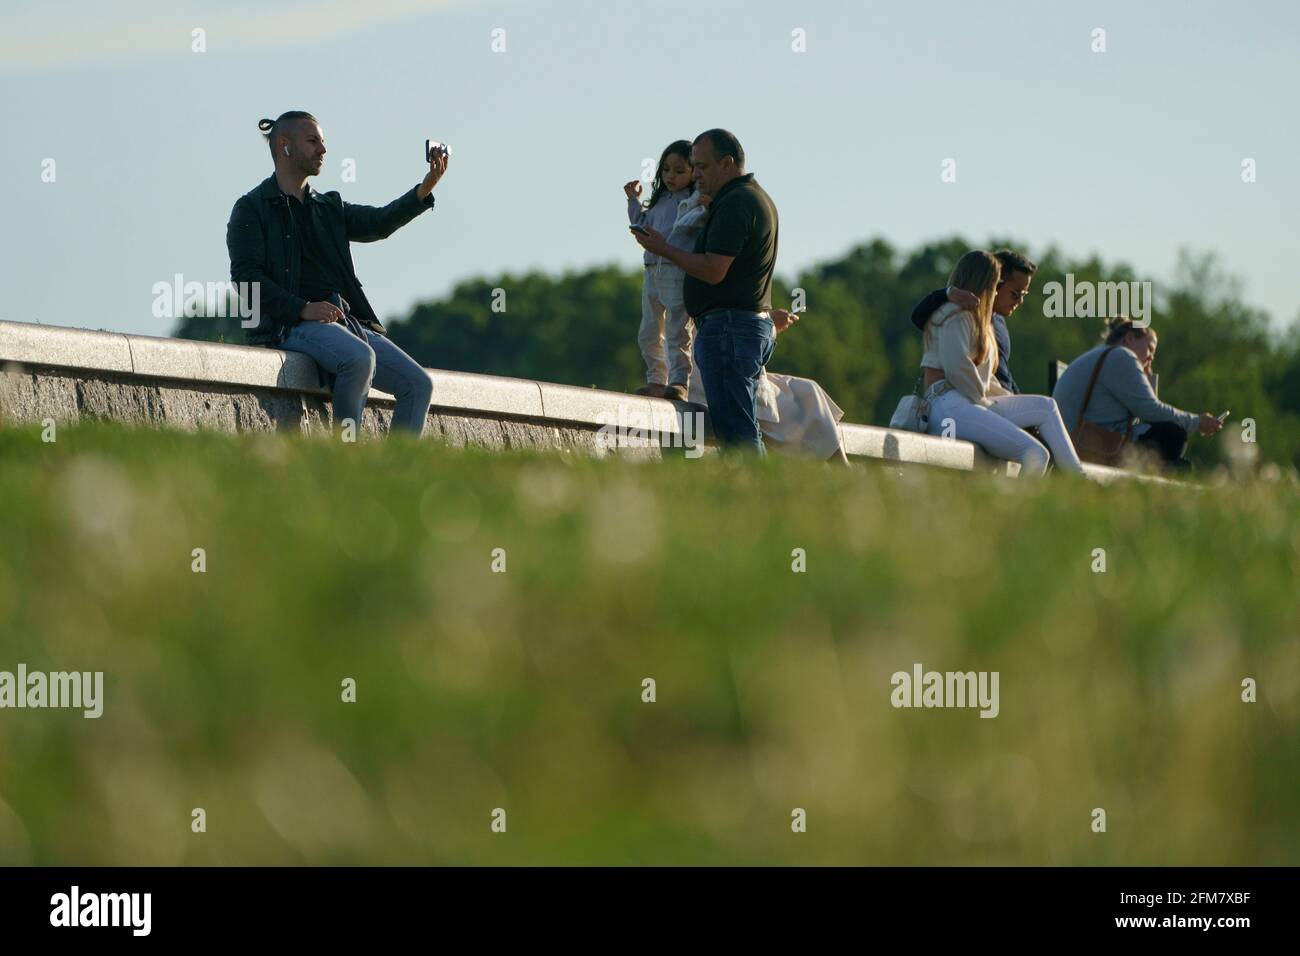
(949, 339)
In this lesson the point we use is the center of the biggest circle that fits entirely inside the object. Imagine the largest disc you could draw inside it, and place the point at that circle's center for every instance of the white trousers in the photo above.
(665, 326)
(999, 429)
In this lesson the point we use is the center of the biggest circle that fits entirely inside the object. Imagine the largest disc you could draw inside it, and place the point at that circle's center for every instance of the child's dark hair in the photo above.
(680, 147)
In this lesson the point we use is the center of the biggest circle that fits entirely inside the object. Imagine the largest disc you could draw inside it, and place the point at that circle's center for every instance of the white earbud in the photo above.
(286, 151)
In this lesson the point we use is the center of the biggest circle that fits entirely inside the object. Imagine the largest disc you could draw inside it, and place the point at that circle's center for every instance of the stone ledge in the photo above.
(226, 383)
(65, 348)
(888, 444)
(240, 365)
(488, 393)
(593, 406)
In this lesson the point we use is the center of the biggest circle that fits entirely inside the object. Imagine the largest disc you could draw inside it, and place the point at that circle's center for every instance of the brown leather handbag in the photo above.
(1095, 444)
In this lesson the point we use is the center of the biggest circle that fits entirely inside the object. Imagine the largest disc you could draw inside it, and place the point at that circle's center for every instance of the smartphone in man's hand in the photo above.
(432, 145)
(638, 229)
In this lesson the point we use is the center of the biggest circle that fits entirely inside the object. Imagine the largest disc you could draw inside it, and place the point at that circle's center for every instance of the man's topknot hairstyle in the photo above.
(270, 127)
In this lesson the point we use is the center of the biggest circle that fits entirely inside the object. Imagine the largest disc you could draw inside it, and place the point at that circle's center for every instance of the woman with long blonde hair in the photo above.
(964, 398)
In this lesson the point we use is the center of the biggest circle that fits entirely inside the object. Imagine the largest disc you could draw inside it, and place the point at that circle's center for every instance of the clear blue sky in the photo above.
(1130, 153)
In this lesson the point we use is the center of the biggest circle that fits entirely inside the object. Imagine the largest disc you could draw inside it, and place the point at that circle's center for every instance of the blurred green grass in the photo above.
(522, 690)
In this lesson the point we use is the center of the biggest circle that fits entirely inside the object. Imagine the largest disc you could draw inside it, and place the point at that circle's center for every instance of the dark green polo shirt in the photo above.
(741, 223)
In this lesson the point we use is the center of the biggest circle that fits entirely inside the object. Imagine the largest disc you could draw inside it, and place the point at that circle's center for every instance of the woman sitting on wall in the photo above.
(1108, 397)
(964, 398)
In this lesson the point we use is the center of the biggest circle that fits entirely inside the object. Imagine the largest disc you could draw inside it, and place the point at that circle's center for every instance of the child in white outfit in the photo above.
(675, 209)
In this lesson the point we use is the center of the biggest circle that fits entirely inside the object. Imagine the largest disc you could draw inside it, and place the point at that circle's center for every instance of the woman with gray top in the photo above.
(1123, 401)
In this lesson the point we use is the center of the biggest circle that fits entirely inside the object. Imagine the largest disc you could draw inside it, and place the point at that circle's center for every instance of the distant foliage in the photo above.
(206, 328)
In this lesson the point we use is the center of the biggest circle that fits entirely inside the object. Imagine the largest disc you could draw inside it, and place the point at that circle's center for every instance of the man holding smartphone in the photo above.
(293, 245)
(728, 286)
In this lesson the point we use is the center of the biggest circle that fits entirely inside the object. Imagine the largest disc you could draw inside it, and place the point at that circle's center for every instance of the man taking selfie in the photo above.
(292, 243)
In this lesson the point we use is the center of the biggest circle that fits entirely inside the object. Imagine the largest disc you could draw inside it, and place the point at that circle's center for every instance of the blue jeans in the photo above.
(358, 357)
(731, 348)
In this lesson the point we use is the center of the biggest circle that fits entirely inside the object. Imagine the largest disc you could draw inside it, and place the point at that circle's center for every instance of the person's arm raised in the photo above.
(371, 223)
(635, 211)
(438, 164)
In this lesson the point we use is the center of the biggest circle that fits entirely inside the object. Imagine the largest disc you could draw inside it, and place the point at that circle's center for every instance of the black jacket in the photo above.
(263, 249)
(936, 300)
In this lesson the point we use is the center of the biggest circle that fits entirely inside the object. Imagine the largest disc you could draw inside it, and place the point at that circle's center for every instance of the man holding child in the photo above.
(728, 286)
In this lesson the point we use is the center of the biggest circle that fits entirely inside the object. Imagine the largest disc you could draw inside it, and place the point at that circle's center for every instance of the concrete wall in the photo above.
(68, 374)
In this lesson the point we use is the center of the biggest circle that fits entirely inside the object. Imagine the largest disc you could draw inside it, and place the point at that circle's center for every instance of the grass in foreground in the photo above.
(523, 690)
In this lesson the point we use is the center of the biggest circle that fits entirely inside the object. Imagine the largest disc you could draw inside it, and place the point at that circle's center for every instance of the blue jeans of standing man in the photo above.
(358, 357)
(731, 348)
